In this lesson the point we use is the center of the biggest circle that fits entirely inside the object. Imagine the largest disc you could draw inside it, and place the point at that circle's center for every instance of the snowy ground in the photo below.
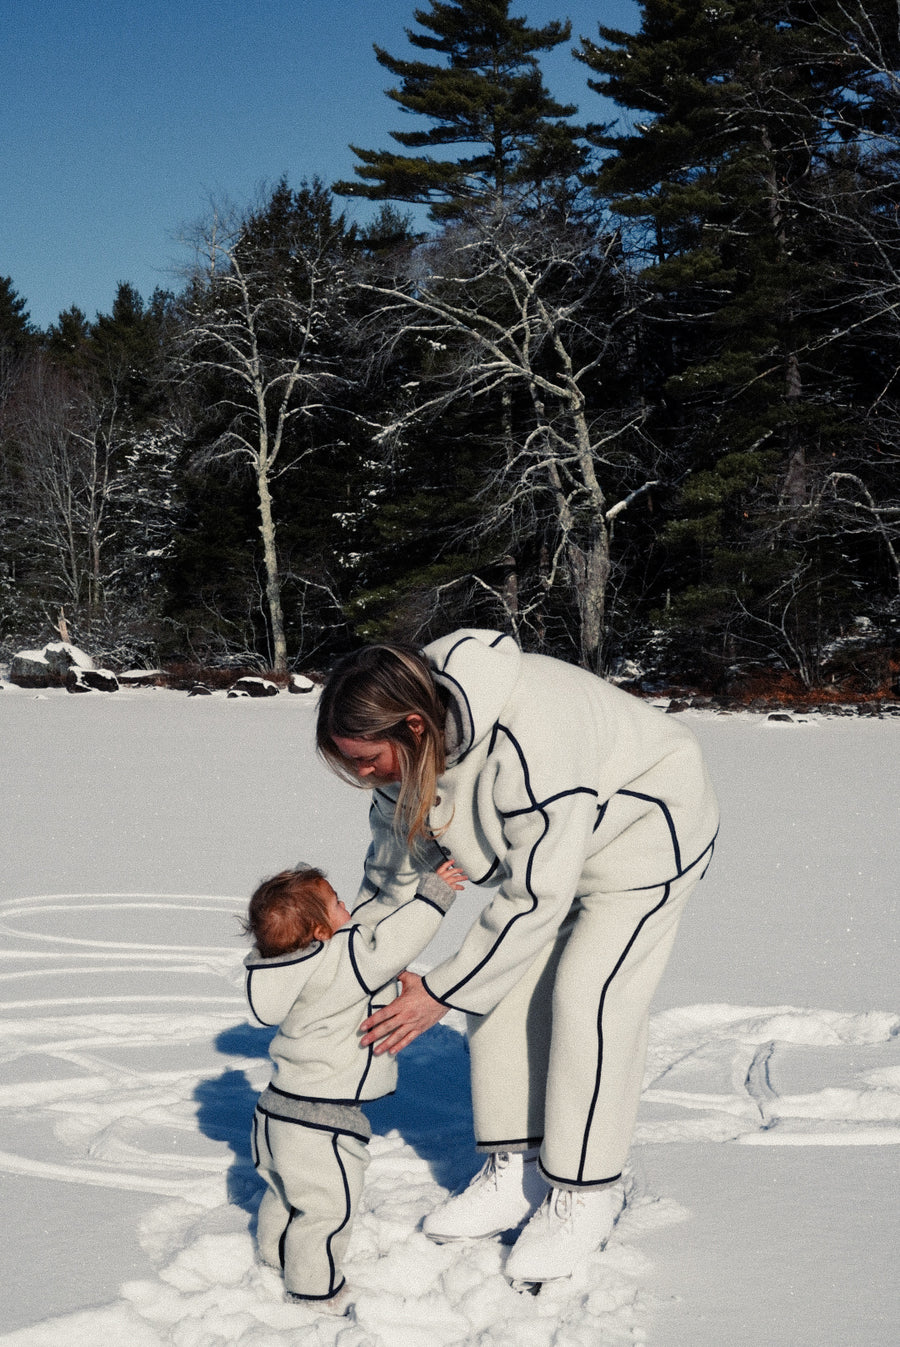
(762, 1194)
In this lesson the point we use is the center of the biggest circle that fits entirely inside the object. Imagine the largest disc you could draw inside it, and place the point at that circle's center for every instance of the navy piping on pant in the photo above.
(559, 1179)
(347, 1213)
(507, 1142)
(606, 986)
(336, 1231)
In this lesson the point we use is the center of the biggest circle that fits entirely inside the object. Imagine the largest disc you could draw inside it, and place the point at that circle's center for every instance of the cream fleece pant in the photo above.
(559, 1063)
(314, 1179)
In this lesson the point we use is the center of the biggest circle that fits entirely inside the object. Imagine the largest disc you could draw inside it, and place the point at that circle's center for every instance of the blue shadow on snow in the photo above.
(431, 1108)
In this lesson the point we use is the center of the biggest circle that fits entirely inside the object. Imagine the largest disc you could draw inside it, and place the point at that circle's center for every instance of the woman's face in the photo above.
(376, 760)
(371, 759)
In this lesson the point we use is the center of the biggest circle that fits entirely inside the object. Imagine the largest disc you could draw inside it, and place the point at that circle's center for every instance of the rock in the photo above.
(300, 683)
(675, 708)
(91, 680)
(200, 690)
(781, 715)
(237, 692)
(254, 687)
(48, 667)
(140, 678)
(61, 656)
(30, 669)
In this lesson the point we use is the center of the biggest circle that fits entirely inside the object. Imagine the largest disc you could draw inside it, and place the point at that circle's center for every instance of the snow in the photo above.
(762, 1188)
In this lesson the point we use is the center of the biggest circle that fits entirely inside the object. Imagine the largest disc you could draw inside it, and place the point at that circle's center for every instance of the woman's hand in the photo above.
(451, 874)
(395, 1026)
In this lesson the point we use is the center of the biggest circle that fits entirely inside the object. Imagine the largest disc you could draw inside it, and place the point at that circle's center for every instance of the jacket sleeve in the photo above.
(273, 985)
(391, 875)
(378, 953)
(546, 842)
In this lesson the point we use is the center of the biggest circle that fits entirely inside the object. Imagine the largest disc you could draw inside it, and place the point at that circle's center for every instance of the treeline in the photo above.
(633, 395)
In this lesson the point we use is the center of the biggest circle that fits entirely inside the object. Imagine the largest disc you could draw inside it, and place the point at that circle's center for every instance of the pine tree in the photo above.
(17, 333)
(488, 92)
(746, 107)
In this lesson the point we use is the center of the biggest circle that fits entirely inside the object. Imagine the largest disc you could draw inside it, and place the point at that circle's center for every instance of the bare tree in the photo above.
(66, 439)
(531, 313)
(266, 292)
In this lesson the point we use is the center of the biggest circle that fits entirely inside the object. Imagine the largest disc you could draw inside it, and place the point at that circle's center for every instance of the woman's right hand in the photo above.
(395, 1025)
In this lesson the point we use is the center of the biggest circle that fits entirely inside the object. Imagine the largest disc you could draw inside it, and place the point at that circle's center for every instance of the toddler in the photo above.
(317, 973)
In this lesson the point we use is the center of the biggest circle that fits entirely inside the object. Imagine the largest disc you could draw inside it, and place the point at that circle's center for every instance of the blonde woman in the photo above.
(590, 817)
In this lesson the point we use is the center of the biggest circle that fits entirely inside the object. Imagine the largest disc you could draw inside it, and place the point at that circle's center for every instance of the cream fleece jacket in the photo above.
(557, 786)
(319, 995)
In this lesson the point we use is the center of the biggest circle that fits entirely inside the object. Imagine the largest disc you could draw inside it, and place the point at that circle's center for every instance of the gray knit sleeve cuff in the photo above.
(432, 887)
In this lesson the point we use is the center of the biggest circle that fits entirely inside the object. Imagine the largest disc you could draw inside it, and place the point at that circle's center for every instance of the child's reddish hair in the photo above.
(288, 911)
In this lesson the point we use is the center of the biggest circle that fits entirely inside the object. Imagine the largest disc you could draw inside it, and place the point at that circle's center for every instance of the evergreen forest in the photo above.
(630, 392)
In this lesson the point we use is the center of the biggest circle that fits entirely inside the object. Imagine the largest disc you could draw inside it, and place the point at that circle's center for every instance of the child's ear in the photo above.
(322, 933)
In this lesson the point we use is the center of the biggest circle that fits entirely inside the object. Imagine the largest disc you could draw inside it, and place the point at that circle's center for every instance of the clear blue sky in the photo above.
(120, 120)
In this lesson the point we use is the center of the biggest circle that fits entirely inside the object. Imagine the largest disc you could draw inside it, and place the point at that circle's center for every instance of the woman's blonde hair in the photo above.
(369, 696)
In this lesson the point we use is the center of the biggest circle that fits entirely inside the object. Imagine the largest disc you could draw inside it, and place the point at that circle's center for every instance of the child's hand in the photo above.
(451, 874)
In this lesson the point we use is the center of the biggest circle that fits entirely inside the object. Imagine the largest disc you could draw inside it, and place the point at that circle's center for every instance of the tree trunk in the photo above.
(795, 493)
(510, 589)
(273, 577)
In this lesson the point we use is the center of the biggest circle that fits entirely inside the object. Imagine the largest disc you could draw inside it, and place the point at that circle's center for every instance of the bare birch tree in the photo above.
(265, 294)
(66, 439)
(529, 313)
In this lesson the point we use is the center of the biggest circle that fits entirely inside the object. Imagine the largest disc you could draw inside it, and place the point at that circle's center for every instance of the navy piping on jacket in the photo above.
(304, 1122)
(351, 931)
(311, 1098)
(451, 991)
(370, 1054)
(469, 727)
(308, 952)
(670, 822)
(463, 696)
(540, 807)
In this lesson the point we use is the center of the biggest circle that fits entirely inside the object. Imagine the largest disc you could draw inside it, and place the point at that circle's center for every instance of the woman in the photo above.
(592, 816)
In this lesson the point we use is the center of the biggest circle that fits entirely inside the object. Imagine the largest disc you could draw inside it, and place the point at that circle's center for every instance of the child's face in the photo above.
(338, 915)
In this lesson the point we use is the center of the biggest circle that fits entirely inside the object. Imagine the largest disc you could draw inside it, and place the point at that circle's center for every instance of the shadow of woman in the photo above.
(432, 1106)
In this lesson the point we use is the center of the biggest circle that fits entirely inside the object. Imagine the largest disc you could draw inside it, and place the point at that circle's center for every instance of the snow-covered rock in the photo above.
(255, 687)
(140, 678)
(91, 680)
(300, 683)
(47, 667)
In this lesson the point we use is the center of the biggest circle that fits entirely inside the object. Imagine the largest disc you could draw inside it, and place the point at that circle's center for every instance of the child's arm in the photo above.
(380, 953)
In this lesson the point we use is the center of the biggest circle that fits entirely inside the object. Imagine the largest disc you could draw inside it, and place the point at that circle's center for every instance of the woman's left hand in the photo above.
(396, 1025)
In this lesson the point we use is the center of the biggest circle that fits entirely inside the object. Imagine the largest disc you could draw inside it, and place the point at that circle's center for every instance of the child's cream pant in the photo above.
(559, 1063)
(314, 1178)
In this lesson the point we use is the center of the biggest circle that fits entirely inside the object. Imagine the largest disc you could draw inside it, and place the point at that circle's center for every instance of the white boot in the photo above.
(566, 1228)
(503, 1194)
